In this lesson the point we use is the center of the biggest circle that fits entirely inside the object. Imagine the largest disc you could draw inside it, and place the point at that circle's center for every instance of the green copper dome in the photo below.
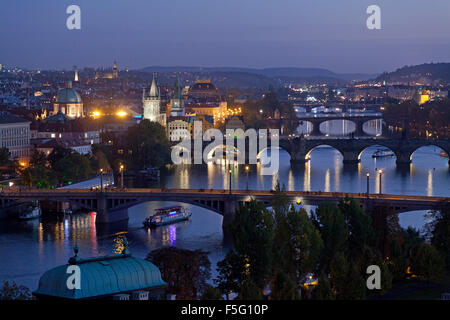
(68, 95)
(102, 276)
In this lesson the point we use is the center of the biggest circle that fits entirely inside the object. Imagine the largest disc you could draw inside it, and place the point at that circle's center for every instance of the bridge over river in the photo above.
(112, 205)
(300, 148)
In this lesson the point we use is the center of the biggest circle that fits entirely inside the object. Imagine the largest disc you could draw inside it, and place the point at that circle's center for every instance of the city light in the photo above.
(121, 113)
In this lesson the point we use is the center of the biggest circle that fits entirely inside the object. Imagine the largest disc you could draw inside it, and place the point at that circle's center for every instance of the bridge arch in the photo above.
(260, 152)
(378, 145)
(216, 206)
(442, 148)
(304, 127)
(308, 153)
(348, 126)
(222, 146)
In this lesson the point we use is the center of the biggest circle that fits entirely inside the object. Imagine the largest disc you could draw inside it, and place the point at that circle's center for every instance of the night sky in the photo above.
(330, 34)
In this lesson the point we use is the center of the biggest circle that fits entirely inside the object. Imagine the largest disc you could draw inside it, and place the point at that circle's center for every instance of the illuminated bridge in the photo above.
(111, 205)
(351, 149)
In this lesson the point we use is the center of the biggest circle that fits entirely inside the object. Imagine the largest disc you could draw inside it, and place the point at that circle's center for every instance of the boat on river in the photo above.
(32, 212)
(167, 215)
(381, 153)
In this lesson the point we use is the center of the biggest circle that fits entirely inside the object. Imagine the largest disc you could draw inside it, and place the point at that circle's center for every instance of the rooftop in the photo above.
(101, 276)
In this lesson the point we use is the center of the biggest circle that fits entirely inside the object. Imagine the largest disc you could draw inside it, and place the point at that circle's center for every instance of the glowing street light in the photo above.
(121, 113)
(121, 175)
(230, 180)
(247, 168)
(101, 180)
(368, 178)
(380, 173)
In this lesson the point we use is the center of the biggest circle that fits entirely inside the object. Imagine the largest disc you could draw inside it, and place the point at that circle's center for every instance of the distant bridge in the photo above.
(112, 205)
(351, 149)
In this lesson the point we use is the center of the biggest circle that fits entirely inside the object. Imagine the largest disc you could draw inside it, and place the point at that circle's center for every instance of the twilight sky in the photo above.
(330, 34)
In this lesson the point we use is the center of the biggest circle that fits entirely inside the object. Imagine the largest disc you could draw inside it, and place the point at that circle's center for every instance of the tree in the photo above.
(346, 279)
(412, 240)
(397, 262)
(147, 145)
(428, 263)
(11, 291)
(283, 288)
(249, 291)
(386, 223)
(231, 273)
(323, 290)
(185, 271)
(439, 233)
(362, 244)
(211, 293)
(252, 231)
(38, 159)
(331, 224)
(4, 156)
(305, 244)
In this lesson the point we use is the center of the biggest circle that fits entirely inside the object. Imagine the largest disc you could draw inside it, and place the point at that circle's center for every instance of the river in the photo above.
(28, 249)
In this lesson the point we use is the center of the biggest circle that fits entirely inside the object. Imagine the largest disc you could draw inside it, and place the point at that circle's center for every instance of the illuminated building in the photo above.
(203, 99)
(152, 104)
(75, 79)
(109, 75)
(68, 102)
(423, 96)
(15, 136)
(206, 121)
(177, 128)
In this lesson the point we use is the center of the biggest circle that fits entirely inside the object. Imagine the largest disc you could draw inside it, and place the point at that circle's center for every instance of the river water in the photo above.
(28, 249)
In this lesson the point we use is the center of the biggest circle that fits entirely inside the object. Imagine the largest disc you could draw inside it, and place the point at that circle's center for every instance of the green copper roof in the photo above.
(101, 276)
(177, 89)
(68, 95)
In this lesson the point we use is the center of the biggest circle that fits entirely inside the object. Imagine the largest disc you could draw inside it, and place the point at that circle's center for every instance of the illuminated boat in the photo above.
(168, 215)
(32, 212)
(380, 153)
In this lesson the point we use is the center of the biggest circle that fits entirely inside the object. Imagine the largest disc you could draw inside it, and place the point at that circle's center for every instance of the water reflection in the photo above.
(32, 247)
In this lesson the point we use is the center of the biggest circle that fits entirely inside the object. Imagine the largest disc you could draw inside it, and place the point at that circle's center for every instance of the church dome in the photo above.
(203, 88)
(68, 95)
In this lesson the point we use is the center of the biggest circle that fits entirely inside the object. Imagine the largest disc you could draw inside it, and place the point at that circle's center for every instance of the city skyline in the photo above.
(305, 34)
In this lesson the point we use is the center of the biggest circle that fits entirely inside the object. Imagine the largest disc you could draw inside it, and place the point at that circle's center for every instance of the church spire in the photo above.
(154, 92)
(177, 89)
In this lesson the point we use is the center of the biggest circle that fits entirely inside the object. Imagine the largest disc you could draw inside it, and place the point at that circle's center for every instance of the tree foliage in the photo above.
(147, 145)
(11, 291)
(185, 271)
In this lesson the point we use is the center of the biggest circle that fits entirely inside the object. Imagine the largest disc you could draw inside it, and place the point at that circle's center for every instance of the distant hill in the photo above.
(275, 73)
(428, 72)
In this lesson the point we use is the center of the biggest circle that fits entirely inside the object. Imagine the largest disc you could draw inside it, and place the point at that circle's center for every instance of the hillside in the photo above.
(428, 72)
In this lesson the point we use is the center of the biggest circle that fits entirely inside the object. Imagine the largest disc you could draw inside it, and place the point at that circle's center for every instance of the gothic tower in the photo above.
(115, 73)
(152, 103)
(177, 101)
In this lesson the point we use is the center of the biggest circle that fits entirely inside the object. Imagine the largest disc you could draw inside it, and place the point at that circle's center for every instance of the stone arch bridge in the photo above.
(300, 148)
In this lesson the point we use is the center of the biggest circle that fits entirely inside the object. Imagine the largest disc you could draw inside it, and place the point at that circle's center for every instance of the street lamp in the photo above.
(247, 168)
(230, 179)
(368, 178)
(380, 172)
(121, 176)
(101, 180)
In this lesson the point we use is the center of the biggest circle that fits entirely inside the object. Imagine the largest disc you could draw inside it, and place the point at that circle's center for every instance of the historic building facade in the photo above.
(15, 136)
